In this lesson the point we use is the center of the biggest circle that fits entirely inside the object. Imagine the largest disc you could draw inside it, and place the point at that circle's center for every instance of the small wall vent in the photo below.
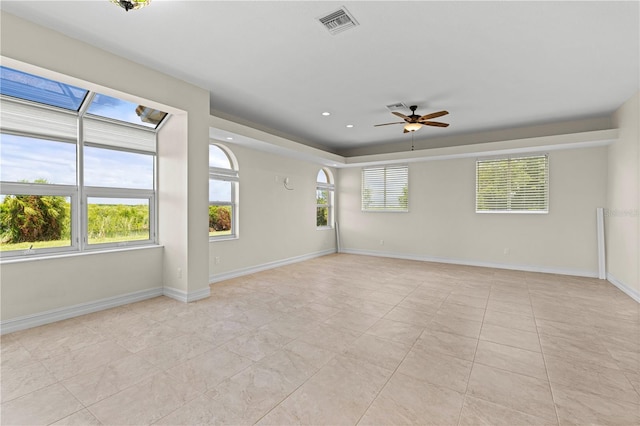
(338, 21)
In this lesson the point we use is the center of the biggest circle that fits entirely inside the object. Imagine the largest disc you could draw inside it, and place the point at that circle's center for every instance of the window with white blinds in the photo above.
(100, 132)
(385, 188)
(513, 185)
(20, 118)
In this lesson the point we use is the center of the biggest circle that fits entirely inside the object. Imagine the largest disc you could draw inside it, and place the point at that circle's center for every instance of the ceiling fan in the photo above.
(414, 122)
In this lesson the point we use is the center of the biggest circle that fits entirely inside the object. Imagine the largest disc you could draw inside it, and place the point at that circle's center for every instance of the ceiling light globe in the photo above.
(412, 127)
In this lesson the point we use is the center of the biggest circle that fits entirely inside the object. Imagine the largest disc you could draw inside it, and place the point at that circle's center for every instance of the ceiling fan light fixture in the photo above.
(131, 4)
(412, 127)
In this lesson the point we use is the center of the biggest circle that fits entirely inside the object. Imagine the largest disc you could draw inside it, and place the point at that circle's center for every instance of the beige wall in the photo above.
(31, 287)
(37, 286)
(276, 224)
(622, 218)
(442, 223)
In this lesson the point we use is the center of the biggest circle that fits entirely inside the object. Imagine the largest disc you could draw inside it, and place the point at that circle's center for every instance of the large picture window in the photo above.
(513, 185)
(223, 194)
(385, 188)
(77, 168)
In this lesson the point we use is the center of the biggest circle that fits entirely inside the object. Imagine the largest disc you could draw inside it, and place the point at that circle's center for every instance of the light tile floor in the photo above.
(341, 339)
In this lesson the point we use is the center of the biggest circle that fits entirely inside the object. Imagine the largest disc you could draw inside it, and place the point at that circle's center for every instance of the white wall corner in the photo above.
(47, 317)
(183, 296)
(214, 278)
(632, 293)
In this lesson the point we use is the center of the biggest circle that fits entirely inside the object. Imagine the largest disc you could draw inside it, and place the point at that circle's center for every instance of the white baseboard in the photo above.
(41, 318)
(183, 296)
(632, 293)
(214, 278)
(527, 268)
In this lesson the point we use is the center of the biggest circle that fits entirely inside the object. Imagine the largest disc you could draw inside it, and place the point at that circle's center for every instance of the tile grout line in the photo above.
(395, 370)
(473, 361)
(555, 408)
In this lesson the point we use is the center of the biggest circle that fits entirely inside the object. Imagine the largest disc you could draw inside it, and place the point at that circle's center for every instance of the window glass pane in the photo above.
(518, 184)
(385, 188)
(112, 220)
(117, 169)
(42, 90)
(219, 190)
(26, 159)
(322, 216)
(218, 158)
(34, 221)
(118, 109)
(220, 220)
(322, 196)
(322, 177)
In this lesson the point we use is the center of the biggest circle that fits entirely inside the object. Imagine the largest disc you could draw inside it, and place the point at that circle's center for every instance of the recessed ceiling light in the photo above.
(326, 113)
(229, 138)
(349, 125)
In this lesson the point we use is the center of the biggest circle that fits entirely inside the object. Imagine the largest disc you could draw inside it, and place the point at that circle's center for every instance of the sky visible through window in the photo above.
(217, 158)
(322, 176)
(117, 169)
(38, 89)
(31, 159)
(219, 190)
(117, 109)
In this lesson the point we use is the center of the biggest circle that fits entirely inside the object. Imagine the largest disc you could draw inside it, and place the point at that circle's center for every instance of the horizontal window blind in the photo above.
(513, 184)
(227, 175)
(104, 133)
(385, 188)
(16, 117)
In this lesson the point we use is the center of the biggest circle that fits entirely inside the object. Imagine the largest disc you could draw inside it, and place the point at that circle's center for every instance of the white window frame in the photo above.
(387, 206)
(102, 192)
(508, 182)
(330, 188)
(78, 193)
(43, 189)
(227, 175)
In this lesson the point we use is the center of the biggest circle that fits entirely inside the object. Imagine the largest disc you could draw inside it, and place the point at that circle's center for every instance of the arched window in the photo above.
(324, 199)
(223, 194)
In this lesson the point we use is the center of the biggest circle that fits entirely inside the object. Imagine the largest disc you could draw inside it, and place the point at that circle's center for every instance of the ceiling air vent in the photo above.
(338, 21)
(398, 106)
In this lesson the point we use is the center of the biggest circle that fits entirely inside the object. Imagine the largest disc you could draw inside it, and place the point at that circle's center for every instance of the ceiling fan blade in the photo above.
(386, 124)
(435, 123)
(433, 115)
(401, 115)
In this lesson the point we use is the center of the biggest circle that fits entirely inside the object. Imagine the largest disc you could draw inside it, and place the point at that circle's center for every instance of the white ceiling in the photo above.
(273, 66)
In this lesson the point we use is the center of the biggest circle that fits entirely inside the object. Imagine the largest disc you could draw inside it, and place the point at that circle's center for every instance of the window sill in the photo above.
(63, 255)
(324, 228)
(511, 212)
(225, 238)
